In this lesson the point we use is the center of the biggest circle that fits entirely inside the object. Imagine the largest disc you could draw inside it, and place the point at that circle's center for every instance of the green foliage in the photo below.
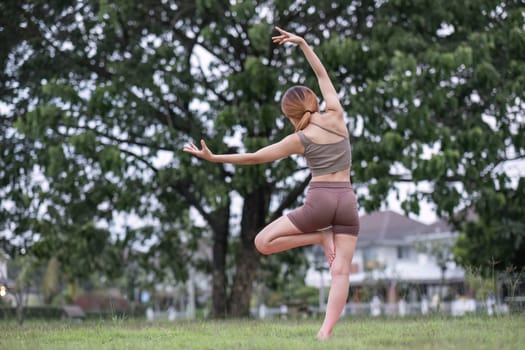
(46, 313)
(479, 283)
(259, 34)
(295, 294)
(496, 236)
(283, 274)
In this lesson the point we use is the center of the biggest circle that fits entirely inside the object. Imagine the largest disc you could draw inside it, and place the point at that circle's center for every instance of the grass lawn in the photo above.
(472, 332)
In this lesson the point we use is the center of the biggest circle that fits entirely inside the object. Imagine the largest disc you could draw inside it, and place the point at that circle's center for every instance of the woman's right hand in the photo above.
(203, 153)
(286, 37)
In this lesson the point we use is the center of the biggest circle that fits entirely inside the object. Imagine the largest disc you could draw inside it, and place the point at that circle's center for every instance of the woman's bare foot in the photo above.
(327, 242)
(322, 336)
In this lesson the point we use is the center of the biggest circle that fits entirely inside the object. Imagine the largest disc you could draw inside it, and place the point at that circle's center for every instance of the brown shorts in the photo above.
(328, 204)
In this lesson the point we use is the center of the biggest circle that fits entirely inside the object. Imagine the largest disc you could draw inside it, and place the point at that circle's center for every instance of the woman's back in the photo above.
(327, 147)
(329, 122)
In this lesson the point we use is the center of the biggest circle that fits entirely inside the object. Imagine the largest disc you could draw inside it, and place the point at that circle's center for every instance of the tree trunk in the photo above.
(220, 250)
(19, 297)
(255, 210)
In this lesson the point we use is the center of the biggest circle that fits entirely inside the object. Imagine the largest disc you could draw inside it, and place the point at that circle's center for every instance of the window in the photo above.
(403, 252)
(370, 259)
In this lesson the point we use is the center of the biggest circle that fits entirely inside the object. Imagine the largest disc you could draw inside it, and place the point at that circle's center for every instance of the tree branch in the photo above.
(119, 140)
(183, 187)
(208, 86)
(136, 156)
(290, 198)
(141, 159)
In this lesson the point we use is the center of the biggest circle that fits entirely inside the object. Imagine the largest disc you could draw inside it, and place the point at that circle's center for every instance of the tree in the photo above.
(63, 180)
(51, 280)
(495, 241)
(441, 251)
(25, 266)
(98, 91)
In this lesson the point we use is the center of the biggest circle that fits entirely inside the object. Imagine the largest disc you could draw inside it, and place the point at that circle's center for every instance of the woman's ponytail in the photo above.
(305, 120)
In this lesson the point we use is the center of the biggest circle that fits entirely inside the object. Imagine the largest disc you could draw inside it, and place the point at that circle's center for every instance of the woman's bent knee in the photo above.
(262, 245)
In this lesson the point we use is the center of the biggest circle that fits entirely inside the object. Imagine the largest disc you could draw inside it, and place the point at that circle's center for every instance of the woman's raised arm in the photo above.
(325, 84)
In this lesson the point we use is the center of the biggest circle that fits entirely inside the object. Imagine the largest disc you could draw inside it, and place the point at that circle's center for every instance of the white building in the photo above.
(400, 257)
(3, 267)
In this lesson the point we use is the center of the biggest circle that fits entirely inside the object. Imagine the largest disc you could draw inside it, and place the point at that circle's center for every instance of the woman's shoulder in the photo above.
(330, 116)
(330, 120)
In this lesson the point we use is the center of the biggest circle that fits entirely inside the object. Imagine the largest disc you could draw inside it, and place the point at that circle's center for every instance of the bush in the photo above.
(56, 313)
(33, 312)
(138, 312)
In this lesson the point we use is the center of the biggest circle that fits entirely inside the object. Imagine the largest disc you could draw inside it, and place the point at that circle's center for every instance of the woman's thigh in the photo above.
(280, 227)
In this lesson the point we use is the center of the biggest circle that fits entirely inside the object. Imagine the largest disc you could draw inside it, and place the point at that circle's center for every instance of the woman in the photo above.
(329, 215)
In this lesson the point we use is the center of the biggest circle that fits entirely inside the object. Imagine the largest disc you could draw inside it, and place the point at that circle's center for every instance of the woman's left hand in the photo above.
(286, 37)
(203, 153)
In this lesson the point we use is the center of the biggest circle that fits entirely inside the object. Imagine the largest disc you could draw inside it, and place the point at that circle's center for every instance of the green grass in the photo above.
(473, 332)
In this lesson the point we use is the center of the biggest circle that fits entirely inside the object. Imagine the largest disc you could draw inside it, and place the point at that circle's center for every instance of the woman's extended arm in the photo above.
(287, 146)
(325, 84)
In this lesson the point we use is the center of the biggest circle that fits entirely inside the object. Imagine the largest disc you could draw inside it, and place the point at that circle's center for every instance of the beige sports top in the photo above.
(326, 158)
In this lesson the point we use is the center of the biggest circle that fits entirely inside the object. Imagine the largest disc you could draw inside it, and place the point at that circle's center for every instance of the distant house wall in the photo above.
(388, 255)
(407, 253)
(377, 256)
(3, 267)
(358, 260)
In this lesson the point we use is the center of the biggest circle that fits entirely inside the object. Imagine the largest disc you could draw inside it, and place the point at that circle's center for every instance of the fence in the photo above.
(454, 308)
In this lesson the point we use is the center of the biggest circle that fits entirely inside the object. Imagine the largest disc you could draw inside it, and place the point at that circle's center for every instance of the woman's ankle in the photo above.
(323, 335)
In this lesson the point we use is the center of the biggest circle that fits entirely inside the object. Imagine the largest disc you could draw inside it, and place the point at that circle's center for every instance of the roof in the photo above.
(391, 226)
(440, 226)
